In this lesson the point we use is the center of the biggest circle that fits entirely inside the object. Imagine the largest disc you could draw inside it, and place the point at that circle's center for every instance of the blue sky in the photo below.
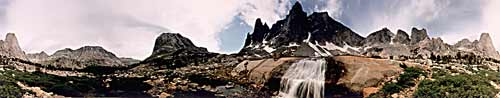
(128, 28)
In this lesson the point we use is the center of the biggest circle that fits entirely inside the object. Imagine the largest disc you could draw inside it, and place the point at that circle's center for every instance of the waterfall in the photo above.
(304, 79)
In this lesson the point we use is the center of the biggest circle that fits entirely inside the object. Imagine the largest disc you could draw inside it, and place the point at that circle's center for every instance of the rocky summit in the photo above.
(300, 56)
(175, 50)
(10, 47)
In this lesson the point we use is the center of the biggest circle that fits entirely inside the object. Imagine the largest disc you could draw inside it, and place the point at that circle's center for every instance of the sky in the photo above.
(128, 28)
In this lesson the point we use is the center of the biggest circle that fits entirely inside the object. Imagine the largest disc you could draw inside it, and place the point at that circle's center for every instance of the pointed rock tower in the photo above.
(485, 45)
(10, 47)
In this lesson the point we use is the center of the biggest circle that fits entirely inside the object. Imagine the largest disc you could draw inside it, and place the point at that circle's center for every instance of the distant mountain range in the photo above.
(297, 35)
(320, 35)
(315, 51)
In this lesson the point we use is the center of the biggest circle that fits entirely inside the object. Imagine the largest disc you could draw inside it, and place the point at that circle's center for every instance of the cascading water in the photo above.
(304, 79)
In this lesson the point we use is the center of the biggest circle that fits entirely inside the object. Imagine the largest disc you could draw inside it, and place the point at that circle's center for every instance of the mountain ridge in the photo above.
(321, 35)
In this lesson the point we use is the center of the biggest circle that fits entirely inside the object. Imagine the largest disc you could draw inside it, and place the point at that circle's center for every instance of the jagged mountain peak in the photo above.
(401, 37)
(418, 35)
(11, 48)
(485, 37)
(383, 36)
(297, 10)
(320, 35)
(485, 44)
(11, 38)
(259, 32)
(298, 29)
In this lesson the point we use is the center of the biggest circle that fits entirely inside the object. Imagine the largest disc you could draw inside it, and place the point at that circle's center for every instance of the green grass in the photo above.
(9, 88)
(72, 86)
(462, 85)
(405, 80)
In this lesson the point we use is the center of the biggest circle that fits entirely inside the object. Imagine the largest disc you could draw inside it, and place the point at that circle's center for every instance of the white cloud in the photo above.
(271, 11)
(125, 27)
(129, 27)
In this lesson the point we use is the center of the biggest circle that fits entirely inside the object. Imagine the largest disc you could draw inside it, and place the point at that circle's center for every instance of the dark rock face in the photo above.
(326, 29)
(379, 37)
(260, 30)
(293, 28)
(401, 38)
(10, 47)
(298, 28)
(81, 58)
(174, 50)
(418, 35)
(172, 42)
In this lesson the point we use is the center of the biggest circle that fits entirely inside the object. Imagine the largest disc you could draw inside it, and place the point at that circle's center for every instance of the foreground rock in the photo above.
(360, 72)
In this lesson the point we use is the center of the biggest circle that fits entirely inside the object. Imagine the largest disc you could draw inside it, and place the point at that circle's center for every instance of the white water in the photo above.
(304, 79)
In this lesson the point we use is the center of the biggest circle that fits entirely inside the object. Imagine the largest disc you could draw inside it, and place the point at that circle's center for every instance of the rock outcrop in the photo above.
(174, 50)
(418, 35)
(383, 36)
(485, 45)
(401, 38)
(298, 30)
(10, 47)
(359, 72)
(169, 43)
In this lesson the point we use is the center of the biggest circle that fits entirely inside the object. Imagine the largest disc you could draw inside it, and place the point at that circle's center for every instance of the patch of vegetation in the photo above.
(79, 86)
(462, 85)
(405, 80)
(9, 88)
(462, 58)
